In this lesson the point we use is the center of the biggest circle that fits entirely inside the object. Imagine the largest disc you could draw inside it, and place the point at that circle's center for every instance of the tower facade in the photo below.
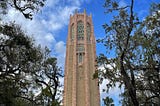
(80, 89)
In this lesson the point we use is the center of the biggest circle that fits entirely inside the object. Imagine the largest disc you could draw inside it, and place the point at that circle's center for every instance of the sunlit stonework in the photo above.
(80, 89)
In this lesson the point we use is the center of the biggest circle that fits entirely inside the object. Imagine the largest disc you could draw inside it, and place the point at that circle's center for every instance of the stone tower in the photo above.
(80, 89)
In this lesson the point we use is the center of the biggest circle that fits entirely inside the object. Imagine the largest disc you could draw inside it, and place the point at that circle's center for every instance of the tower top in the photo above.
(80, 12)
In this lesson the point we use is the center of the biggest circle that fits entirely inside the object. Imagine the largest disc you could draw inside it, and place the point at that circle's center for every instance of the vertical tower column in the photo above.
(74, 66)
(66, 71)
(86, 63)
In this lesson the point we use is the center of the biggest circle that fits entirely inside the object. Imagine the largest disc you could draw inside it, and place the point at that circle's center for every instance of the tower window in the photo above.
(88, 31)
(80, 30)
(80, 58)
(72, 32)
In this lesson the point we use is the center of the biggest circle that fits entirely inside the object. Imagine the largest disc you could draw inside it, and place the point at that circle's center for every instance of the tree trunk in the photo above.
(131, 89)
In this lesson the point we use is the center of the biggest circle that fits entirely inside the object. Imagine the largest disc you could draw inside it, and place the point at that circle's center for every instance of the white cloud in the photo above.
(60, 49)
(51, 3)
(122, 3)
(49, 37)
(45, 25)
(54, 16)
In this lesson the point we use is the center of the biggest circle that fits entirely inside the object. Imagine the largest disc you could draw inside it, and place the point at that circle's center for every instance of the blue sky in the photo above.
(49, 27)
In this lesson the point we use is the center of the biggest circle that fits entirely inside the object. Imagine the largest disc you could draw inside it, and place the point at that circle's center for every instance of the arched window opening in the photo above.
(80, 59)
(72, 32)
(80, 30)
(88, 31)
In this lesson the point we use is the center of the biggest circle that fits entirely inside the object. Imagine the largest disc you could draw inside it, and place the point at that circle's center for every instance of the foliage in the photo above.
(49, 77)
(108, 101)
(26, 69)
(29, 76)
(26, 7)
(136, 64)
(17, 58)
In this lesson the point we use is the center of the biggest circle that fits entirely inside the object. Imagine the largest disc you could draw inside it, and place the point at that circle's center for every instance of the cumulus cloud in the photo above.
(51, 3)
(45, 25)
(61, 50)
(60, 47)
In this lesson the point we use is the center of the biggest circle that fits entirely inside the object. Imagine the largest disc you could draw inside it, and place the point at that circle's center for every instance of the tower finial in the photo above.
(90, 14)
(76, 11)
(84, 11)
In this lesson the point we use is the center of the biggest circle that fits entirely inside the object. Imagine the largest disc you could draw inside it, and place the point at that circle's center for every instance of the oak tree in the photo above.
(135, 65)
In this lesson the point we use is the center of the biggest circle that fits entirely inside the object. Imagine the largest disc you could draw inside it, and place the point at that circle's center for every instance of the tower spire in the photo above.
(84, 11)
(76, 11)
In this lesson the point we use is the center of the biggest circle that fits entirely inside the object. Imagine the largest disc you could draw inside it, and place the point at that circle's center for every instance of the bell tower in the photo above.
(80, 89)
